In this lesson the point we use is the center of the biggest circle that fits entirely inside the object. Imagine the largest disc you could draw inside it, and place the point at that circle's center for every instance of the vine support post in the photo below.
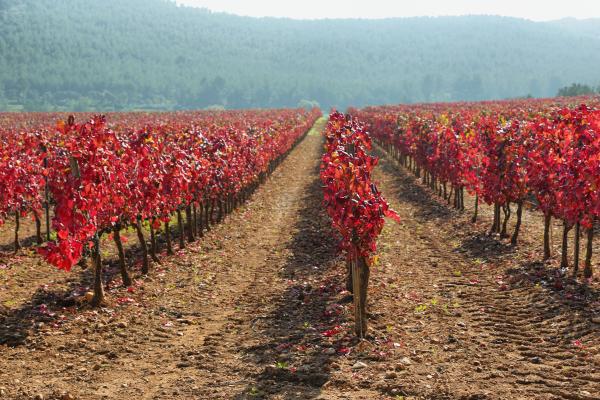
(506, 210)
(587, 271)
(576, 250)
(47, 200)
(17, 226)
(515, 236)
(564, 261)
(349, 279)
(360, 283)
(547, 227)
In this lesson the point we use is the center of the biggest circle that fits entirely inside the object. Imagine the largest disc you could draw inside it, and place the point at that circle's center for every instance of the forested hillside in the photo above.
(114, 54)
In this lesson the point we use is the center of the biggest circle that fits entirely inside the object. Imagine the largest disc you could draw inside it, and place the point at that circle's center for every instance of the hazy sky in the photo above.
(538, 10)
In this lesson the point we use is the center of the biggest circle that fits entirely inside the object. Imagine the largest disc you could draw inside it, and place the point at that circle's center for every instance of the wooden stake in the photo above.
(360, 278)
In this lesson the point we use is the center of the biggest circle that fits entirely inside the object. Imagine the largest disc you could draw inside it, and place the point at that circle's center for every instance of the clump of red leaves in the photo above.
(357, 209)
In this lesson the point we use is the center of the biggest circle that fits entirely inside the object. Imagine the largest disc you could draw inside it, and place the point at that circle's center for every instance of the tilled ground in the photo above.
(471, 317)
(256, 309)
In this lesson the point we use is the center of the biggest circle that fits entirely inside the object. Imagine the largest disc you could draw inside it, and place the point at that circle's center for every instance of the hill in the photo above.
(85, 54)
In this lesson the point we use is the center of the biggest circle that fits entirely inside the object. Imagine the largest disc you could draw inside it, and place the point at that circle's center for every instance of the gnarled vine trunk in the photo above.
(98, 297)
(564, 262)
(515, 236)
(181, 230)
(496, 222)
(143, 246)
(38, 229)
(153, 245)
(189, 223)
(122, 264)
(200, 220)
(168, 238)
(506, 210)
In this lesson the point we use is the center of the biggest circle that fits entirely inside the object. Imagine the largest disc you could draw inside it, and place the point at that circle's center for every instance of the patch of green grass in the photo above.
(281, 365)
(318, 127)
(10, 303)
(421, 308)
(254, 392)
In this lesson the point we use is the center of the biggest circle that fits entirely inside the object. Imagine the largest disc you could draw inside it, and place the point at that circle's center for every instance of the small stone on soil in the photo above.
(405, 361)
(359, 365)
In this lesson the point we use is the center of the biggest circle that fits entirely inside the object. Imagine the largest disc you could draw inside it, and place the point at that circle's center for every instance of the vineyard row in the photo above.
(93, 178)
(542, 152)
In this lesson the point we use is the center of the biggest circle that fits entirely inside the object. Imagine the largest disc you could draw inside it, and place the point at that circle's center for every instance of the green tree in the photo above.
(576, 89)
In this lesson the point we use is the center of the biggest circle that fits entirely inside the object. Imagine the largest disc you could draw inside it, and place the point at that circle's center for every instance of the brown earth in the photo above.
(256, 309)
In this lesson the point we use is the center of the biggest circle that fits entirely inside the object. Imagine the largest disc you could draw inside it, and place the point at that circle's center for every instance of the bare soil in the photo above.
(257, 310)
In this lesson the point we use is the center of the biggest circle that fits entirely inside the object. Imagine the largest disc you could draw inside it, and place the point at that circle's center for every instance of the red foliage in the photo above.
(141, 166)
(504, 151)
(356, 207)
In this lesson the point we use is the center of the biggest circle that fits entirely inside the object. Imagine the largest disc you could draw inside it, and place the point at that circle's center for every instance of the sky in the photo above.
(537, 10)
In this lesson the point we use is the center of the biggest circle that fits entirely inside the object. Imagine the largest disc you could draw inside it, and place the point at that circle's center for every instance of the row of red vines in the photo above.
(543, 152)
(357, 209)
(143, 167)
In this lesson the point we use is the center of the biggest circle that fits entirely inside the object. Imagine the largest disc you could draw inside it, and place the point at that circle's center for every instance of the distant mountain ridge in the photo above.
(85, 54)
(583, 27)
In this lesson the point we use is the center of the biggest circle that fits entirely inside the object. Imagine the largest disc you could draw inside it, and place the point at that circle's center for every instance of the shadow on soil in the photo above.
(484, 247)
(410, 191)
(561, 295)
(301, 315)
(47, 304)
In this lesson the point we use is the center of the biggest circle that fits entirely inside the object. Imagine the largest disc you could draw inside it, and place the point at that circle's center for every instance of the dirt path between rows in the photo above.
(215, 321)
(466, 316)
(257, 310)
